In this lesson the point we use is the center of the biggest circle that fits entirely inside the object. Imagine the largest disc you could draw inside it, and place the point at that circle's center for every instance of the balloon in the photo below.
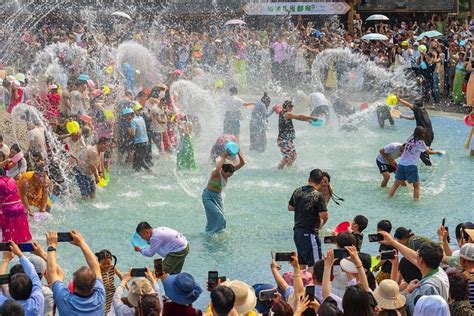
(218, 84)
(232, 148)
(109, 70)
(73, 127)
(105, 89)
(469, 120)
(391, 100)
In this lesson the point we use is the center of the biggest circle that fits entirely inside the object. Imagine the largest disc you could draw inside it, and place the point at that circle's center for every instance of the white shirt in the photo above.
(233, 103)
(163, 241)
(392, 150)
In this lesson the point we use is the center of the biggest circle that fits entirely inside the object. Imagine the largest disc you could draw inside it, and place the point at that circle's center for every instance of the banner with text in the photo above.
(297, 8)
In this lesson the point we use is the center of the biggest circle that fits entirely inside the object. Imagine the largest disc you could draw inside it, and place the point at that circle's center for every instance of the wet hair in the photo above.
(384, 225)
(12, 308)
(356, 302)
(20, 286)
(287, 104)
(345, 239)
(403, 233)
(103, 141)
(361, 221)
(106, 254)
(419, 133)
(458, 286)
(229, 168)
(316, 176)
(409, 271)
(333, 195)
(84, 280)
(431, 253)
(223, 300)
(367, 264)
(233, 90)
(149, 305)
(15, 147)
(142, 226)
(265, 98)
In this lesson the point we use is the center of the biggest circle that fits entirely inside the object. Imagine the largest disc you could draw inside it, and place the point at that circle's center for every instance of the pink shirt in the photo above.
(280, 53)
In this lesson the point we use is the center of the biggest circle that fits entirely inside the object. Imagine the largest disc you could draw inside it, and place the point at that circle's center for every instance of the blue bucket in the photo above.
(320, 122)
(138, 241)
(232, 148)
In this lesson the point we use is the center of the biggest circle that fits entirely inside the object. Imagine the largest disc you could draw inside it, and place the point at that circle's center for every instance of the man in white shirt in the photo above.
(233, 106)
(166, 242)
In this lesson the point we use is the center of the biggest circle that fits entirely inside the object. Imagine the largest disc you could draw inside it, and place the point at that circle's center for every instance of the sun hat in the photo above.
(181, 288)
(262, 306)
(388, 295)
(348, 266)
(162, 86)
(470, 232)
(245, 299)
(431, 305)
(467, 251)
(20, 77)
(139, 287)
(127, 111)
(38, 263)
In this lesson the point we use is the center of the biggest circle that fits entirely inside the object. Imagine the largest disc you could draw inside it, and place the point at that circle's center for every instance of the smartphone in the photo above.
(443, 224)
(158, 263)
(283, 256)
(340, 253)
(4, 279)
(222, 279)
(267, 295)
(212, 277)
(310, 292)
(138, 272)
(64, 237)
(329, 239)
(375, 237)
(4, 246)
(26, 247)
(387, 255)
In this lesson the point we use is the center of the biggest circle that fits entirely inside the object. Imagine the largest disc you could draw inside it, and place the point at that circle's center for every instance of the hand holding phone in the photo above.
(138, 272)
(375, 237)
(329, 239)
(26, 247)
(341, 253)
(310, 292)
(5, 246)
(283, 256)
(4, 279)
(267, 295)
(387, 255)
(212, 277)
(443, 222)
(64, 237)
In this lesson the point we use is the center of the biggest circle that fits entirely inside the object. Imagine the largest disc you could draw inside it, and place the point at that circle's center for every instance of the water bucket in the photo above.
(232, 148)
(342, 227)
(138, 241)
(469, 120)
(17, 157)
(395, 113)
(321, 121)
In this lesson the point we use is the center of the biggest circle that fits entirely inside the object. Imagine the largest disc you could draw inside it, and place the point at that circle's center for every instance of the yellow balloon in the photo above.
(105, 89)
(219, 84)
(109, 70)
(73, 127)
(391, 100)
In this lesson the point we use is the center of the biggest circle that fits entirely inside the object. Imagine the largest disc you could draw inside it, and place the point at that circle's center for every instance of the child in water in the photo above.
(108, 272)
(407, 166)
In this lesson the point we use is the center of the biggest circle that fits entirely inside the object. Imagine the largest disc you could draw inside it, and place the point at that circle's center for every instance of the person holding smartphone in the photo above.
(310, 215)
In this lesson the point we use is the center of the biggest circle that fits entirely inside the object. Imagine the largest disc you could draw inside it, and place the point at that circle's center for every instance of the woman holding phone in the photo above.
(15, 225)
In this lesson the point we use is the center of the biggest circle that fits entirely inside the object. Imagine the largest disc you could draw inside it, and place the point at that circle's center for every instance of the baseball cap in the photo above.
(467, 252)
(38, 263)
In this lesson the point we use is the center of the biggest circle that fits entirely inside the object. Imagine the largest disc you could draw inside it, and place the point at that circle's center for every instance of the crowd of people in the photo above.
(94, 121)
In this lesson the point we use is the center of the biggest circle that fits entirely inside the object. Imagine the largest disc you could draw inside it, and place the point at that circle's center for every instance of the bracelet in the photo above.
(296, 275)
(357, 267)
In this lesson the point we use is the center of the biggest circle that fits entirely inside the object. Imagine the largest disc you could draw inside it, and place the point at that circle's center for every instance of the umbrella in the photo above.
(235, 22)
(429, 34)
(122, 14)
(374, 37)
(377, 17)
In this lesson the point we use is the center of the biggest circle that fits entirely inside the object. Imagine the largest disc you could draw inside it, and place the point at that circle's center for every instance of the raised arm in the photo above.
(360, 267)
(328, 263)
(91, 259)
(300, 117)
(221, 162)
(241, 161)
(405, 103)
(52, 267)
(408, 253)
(298, 284)
(277, 276)
(23, 188)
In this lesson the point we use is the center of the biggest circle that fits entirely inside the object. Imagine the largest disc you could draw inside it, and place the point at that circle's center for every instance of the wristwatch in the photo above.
(51, 248)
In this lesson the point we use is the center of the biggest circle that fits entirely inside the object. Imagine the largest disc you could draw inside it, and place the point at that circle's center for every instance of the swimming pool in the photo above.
(257, 196)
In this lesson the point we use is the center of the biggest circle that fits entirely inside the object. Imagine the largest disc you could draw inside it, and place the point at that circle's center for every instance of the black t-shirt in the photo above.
(423, 119)
(307, 203)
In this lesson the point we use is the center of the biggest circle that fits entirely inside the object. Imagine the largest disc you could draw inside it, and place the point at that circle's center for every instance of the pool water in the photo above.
(256, 198)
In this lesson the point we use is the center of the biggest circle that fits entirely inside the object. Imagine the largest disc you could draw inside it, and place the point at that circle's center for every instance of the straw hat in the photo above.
(139, 287)
(388, 295)
(245, 299)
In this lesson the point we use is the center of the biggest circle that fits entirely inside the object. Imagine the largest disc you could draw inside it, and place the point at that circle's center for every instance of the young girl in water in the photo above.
(108, 272)
(407, 166)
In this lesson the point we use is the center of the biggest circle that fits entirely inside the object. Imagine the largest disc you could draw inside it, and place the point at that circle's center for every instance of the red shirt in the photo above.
(173, 309)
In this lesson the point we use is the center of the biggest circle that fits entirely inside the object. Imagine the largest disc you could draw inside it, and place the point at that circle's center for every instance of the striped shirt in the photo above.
(471, 288)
